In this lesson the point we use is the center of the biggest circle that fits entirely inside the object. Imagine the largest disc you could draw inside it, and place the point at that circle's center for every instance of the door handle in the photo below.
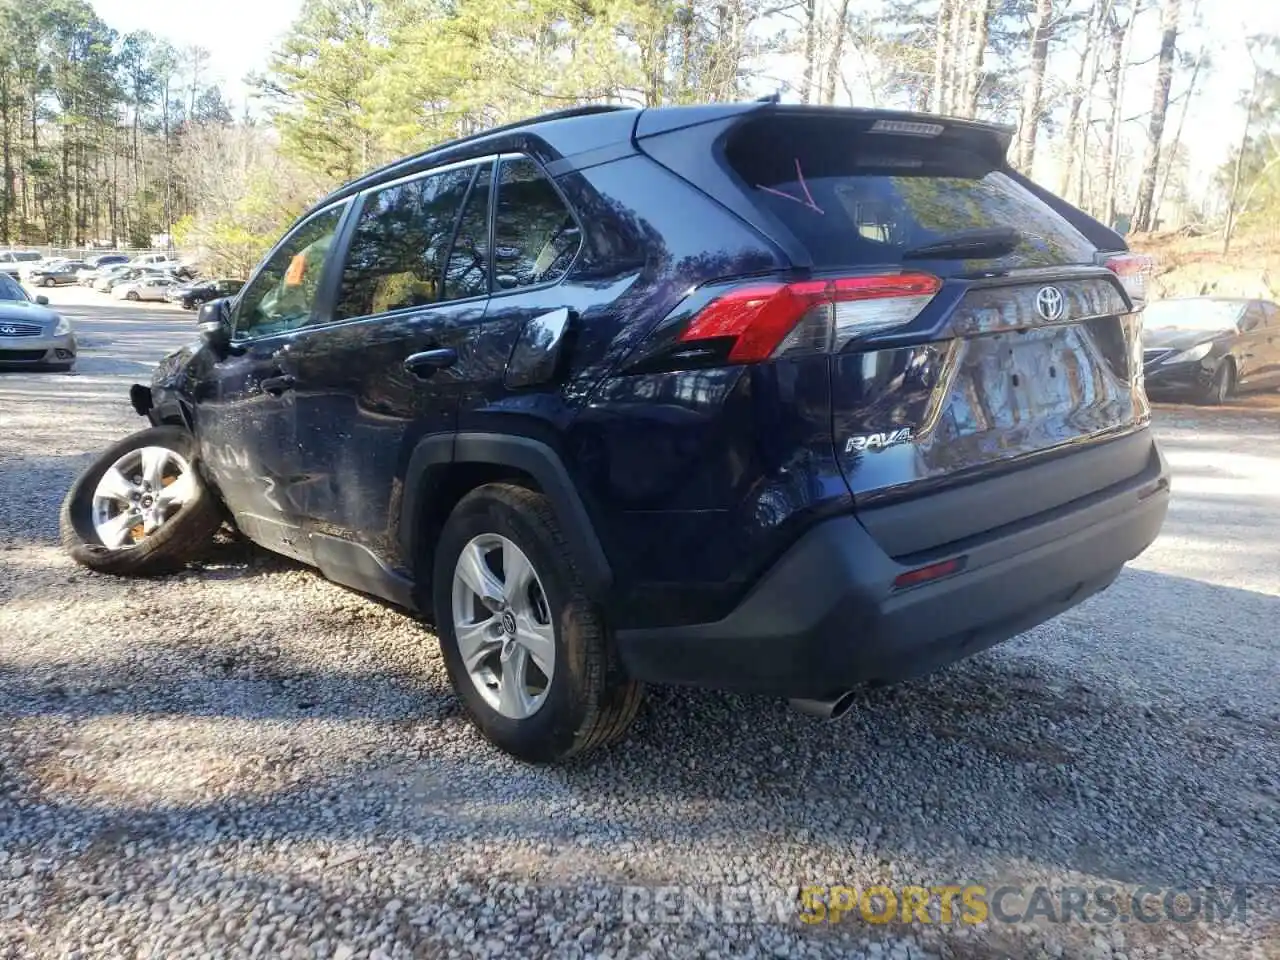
(423, 365)
(278, 385)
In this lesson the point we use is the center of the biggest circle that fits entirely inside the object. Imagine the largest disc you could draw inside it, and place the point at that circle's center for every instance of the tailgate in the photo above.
(1029, 349)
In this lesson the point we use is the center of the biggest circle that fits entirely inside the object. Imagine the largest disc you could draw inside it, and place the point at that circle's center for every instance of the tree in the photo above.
(1257, 159)
(1081, 92)
(1159, 107)
(1041, 33)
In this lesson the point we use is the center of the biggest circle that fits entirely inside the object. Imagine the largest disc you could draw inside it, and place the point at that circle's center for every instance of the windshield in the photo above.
(1193, 314)
(9, 289)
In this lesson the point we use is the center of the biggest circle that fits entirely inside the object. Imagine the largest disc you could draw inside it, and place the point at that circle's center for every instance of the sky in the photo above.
(239, 34)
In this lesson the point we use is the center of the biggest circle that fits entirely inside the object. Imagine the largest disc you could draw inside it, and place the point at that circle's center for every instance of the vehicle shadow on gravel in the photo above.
(1001, 763)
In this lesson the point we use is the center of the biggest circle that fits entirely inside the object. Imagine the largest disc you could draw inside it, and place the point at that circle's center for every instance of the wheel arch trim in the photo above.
(433, 456)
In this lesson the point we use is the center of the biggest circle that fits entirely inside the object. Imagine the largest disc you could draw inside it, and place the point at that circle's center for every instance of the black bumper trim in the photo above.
(825, 617)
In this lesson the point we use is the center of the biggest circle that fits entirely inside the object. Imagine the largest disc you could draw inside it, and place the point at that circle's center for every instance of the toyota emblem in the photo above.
(1049, 303)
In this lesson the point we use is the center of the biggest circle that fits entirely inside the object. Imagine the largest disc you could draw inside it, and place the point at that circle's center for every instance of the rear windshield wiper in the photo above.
(968, 244)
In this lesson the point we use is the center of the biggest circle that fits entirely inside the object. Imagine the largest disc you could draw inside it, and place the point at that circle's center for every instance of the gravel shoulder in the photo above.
(244, 760)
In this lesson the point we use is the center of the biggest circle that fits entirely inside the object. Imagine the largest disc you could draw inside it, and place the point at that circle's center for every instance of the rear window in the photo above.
(855, 197)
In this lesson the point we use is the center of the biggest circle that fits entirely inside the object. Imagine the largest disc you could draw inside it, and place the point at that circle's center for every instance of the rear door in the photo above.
(1251, 350)
(531, 317)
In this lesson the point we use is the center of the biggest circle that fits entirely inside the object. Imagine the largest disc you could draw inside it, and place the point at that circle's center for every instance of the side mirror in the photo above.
(42, 300)
(214, 323)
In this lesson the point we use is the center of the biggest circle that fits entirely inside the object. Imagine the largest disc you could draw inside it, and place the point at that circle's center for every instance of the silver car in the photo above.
(30, 333)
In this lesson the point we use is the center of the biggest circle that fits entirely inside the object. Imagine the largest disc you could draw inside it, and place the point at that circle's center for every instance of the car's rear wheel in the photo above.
(1223, 387)
(526, 651)
(141, 508)
(132, 295)
(50, 282)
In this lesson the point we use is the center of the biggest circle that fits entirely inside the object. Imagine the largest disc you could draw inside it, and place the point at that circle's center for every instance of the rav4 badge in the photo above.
(878, 441)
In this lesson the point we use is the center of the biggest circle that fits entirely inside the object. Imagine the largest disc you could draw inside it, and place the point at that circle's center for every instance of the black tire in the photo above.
(180, 539)
(589, 701)
(1223, 387)
(50, 282)
(132, 295)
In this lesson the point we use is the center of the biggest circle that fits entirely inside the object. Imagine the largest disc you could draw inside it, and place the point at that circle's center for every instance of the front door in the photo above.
(393, 363)
(246, 410)
(1252, 368)
(1270, 345)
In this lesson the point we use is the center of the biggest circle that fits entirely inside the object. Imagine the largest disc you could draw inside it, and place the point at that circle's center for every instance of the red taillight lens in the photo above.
(779, 319)
(1134, 271)
(935, 571)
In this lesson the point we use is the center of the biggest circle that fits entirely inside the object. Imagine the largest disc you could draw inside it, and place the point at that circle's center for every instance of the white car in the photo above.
(159, 261)
(146, 288)
(11, 261)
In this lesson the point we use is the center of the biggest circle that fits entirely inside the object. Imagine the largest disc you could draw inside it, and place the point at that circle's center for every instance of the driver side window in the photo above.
(283, 294)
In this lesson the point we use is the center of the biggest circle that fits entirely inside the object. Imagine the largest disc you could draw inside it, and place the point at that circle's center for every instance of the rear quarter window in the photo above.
(853, 197)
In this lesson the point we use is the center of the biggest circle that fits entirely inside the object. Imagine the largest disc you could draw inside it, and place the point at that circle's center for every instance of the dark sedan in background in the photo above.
(1210, 348)
(32, 335)
(57, 274)
(192, 294)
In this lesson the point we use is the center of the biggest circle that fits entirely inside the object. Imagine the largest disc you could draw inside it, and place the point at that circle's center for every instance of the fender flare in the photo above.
(432, 457)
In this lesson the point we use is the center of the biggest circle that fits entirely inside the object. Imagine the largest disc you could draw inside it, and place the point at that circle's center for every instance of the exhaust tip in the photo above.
(832, 709)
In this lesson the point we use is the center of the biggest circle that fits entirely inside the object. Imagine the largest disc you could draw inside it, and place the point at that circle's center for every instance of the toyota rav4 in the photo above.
(772, 398)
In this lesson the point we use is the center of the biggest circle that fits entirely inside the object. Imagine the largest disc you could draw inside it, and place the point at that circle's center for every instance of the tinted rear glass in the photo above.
(853, 197)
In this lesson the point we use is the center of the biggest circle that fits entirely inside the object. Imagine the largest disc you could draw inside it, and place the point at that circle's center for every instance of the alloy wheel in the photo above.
(502, 623)
(138, 494)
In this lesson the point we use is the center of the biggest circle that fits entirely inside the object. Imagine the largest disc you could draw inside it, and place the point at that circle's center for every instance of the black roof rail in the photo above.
(376, 175)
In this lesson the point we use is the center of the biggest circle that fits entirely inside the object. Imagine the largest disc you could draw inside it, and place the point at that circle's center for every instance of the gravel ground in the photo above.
(247, 761)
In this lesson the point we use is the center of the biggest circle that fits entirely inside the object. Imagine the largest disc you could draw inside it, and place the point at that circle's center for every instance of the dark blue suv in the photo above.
(780, 399)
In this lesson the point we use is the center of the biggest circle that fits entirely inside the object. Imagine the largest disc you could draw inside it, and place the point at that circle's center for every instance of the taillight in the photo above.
(766, 320)
(1134, 271)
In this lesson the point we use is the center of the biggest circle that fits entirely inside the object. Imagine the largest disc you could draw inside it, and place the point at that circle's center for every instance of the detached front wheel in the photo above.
(140, 509)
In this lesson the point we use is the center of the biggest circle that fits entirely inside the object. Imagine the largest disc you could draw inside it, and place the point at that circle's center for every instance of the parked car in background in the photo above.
(127, 274)
(1210, 348)
(12, 260)
(143, 288)
(94, 266)
(32, 335)
(55, 275)
(102, 277)
(26, 267)
(191, 295)
(771, 398)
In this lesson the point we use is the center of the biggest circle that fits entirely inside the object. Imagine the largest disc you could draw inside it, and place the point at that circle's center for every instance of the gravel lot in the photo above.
(244, 760)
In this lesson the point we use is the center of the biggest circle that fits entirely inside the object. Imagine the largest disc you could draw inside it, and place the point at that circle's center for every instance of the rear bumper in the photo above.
(826, 616)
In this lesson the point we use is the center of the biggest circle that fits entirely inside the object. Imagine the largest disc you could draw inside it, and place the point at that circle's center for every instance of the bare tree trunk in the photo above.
(1177, 134)
(1230, 226)
(1087, 67)
(1159, 109)
(840, 28)
(810, 49)
(1030, 124)
(7, 207)
(941, 37)
(1121, 44)
(977, 49)
(957, 33)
